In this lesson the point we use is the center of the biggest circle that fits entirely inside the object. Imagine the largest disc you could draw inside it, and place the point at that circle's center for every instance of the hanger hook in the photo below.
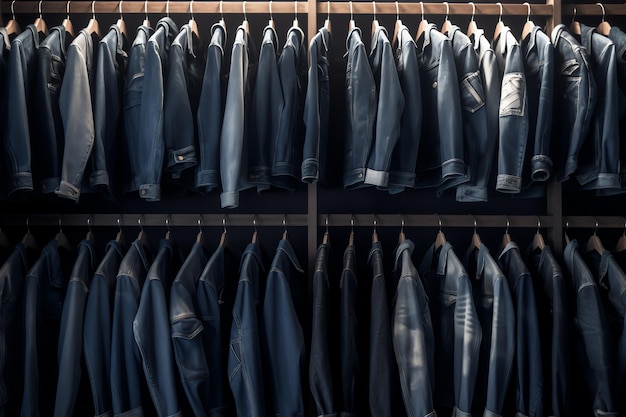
(245, 17)
(538, 224)
(351, 11)
(191, 8)
(447, 10)
(527, 4)
(328, 9)
(67, 8)
(351, 223)
(119, 223)
(145, 8)
(397, 11)
(595, 229)
(39, 8)
(422, 6)
(375, 223)
(28, 224)
(501, 10)
(603, 11)
(285, 223)
(271, 14)
(475, 224)
(401, 224)
(295, 9)
(93, 9)
(473, 10)
(326, 223)
(60, 223)
(254, 222)
(508, 224)
(574, 15)
(374, 6)
(221, 10)
(120, 6)
(439, 222)
(89, 223)
(167, 8)
(13, 9)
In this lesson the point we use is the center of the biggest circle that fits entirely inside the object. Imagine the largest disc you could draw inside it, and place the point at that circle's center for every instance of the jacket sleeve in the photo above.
(389, 113)
(77, 115)
(311, 150)
(541, 164)
(17, 133)
(31, 376)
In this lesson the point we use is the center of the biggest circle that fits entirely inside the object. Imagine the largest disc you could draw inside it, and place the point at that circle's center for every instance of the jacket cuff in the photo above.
(458, 413)
(180, 159)
(541, 167)
(378, 178)
(310, 170)
(508, 183)
(230, 199)
(48, 185)
(489, 413)
(206, 179)
(67, 190)
(471, 193)
(99, 179)
(453, 167)
(21, 181)
(608, 181)
(150, 192)
(401, 179)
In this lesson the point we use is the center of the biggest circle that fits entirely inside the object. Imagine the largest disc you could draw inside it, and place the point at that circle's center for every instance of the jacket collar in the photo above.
(426, 35)
(586, 35)
(356, 31)
(376, 37)
(407, 245)
(141, 252)
(480, 259)
(285, 247)
(376, 247)
(270, 35)
(254, 250)
(509, 246)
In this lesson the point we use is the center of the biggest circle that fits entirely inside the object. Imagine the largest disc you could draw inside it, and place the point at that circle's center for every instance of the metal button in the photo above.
(180, 157)
(435, 84)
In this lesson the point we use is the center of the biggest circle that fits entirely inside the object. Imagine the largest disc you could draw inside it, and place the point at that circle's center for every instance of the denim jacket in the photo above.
(413, 337)
(182, 96)
(19, 96)
(456, 328)
(12, 278)
(5, 48)
(619, 39)
(539, 69)
(49, 137)
(576, 95)
(440, 157)
(592, 341)
(361, 104)
(151, 142)
(320, 374)
(472, 94)
(76, 102)
(496, 314)
(109, 138)
(404, 157)
(151, 328)
(210, 112)
(97, 330)
(283, 333)
(133, 86)
(44, 294)
(348, 335)
(513, 113)
(267, 107)
(292, 68)
(599, 155)
(71, 378)
(129, 393)
(245, 363)
(234, 135)
(388, 111)
(317, 109)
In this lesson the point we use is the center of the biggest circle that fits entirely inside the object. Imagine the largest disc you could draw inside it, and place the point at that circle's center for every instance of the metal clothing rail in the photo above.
(278, 7)
(435, 220)
(591, 222)
(594, 9)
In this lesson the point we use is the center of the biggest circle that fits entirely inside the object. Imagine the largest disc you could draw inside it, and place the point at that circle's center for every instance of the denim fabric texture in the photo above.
(413, 336)
(619, 40)
(97, 330)
(348, 335)
(71, 360)
(151, 328)
(317, 109)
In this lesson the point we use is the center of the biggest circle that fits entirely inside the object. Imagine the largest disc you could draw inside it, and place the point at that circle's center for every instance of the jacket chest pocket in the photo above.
(472, 93)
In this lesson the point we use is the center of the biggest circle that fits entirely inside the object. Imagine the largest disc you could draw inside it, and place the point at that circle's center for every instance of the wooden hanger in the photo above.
(440, 240)
(28, 240)
(326, 236)
(375, 24)
(506, 238)
(61, 239)
(594, 243)
(142, 237)
(120, 237)
(529, 25)
(40, 23)
(327, 21)
(538, 242)
(445, 28)
(146, 20)
(90, 237)
(500, 25)
(621, 242)
(423, 24)
(93, 26)
(397, 27)
(374, 233)
(121, 24)
(476, 242)
(604, 27)
(472, 27)
(575, 25)
(12, 27)
(351, 24)
(67, 23)
(245, 24)
(192, 22)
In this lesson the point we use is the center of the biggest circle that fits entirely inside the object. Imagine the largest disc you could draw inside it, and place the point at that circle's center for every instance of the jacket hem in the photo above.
(471, 193)
(401, 179)
(508, 183)
(229, 199)
(21, 181)
(150, 192)
(67, 190)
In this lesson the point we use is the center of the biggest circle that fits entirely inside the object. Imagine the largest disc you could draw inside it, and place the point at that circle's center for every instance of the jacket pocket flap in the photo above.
(186, 328)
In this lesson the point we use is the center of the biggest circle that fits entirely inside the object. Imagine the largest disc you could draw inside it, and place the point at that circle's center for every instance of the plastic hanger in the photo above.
(61, 238)
(120, 237)
(445, 28)
(93, 26)
(575, 25)
(245, 23)
(604, 27)
(121, 24)
(374, 233)
(254, 234)
(500, 25)
(271, 21)
(375, 24)
(40, 23)
(351, 24)
(529, 25)
(538, 242)
(295, 23)
(506, 238)
(327, 21)
(621, 242)
(146, 20)
(594, 243)
(285, 234)
(423, 23)
(142, 237)
(224, 233)
(476, 242)
(29, 240)
(326, 236)
(397, 26)
(12, 27)
(67, 23)
(192, 22)
(472, 27)
(440, 239)
(90, 237)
